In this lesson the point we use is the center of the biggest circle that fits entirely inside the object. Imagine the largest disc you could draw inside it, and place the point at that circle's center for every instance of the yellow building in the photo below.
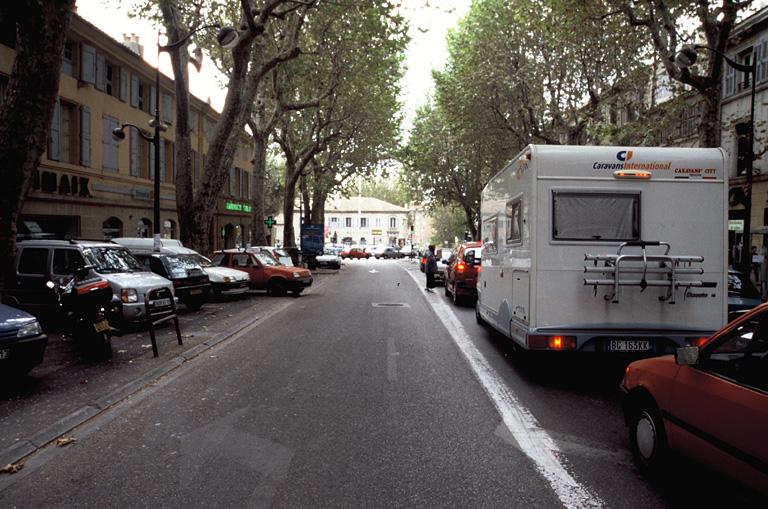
(90, 186)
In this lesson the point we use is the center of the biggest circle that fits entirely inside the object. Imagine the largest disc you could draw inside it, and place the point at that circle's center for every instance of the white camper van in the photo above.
(605, 249)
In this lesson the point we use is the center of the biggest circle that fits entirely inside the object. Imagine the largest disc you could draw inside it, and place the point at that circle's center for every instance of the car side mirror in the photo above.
(83, 271)
(687, 355)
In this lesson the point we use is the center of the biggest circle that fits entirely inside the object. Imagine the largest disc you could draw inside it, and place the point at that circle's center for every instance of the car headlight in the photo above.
(129, 295)
(31, 329)
(296, 274)
(227, 279)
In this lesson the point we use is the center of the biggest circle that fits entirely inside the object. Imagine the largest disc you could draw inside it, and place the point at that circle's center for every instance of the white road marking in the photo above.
(534, 441)
(392, 354)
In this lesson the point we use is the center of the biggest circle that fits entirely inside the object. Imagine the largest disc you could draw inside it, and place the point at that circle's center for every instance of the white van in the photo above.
(225, 281)
(605, 249)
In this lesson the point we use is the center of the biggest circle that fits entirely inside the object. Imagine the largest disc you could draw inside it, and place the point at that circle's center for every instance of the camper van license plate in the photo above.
(629, 345)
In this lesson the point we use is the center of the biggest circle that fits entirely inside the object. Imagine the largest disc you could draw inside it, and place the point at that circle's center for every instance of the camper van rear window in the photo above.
(595, 216)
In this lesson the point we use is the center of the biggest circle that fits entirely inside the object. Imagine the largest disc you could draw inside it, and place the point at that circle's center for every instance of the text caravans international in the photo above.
(625, 162)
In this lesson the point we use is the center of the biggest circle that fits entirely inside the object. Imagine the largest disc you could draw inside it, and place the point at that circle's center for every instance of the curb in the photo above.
(27, 446)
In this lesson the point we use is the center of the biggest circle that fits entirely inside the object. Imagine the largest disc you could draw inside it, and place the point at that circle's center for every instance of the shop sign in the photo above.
(376, 231)
(736, 225)
(238, 207)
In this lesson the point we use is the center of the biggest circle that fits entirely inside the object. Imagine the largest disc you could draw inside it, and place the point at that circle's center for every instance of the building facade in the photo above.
(748, 44)
(358, 220)
(89, 185)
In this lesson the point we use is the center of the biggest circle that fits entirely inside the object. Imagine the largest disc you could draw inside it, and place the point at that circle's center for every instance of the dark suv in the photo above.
(190, 283)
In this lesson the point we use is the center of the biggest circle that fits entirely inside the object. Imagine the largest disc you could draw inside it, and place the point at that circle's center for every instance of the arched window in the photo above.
(169, 229)
(112, 228)
(144, 228)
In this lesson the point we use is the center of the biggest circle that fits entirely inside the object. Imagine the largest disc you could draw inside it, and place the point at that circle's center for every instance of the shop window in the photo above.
(112, 228)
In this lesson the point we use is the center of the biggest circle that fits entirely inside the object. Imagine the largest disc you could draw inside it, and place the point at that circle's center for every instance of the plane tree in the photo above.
(26, 110)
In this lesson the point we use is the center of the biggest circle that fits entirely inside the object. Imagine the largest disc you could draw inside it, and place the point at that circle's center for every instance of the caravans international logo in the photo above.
(625, 160)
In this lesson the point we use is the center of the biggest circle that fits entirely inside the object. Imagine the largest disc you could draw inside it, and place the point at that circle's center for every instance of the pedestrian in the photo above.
(757, 261)
(430, 268)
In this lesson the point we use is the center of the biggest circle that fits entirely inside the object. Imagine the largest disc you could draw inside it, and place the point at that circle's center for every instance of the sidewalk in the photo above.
(67, 389)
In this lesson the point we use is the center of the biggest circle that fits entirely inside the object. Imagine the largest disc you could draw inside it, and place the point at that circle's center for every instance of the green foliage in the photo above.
(389, 190)
(448, 223)
(519, 72)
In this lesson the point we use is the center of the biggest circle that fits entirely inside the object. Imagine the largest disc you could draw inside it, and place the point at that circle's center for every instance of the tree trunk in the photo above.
(709, 126)
(259, 230)
(319, 197)
(182, 144)
(307, 206)
(27, 111)
(471, 222)
(289, 199)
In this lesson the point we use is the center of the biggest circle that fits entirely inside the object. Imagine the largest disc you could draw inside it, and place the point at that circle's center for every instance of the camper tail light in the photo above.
(460, 268)
(632, 174)
(696, 341)
(546, 342)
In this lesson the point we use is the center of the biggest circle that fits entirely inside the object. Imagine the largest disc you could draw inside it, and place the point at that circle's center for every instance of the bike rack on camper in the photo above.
(655, 269)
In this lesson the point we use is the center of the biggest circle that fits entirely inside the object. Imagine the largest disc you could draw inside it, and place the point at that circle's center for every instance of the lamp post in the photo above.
(687, 57)
(227, 38)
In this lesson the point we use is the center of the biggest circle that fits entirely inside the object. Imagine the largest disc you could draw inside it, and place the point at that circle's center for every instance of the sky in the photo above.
(427, 50)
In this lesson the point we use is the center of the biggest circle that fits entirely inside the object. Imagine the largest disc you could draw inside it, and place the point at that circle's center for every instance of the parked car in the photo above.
(329, 259)
(278, 253)
(461, 273)
(709, 401)
(22, 341)
(409, 252)
(265, 273)
(190, 282)
(443, 255)
(355, 253)
(224, 281)
(738, 302)
(40, 261)
(388, 252)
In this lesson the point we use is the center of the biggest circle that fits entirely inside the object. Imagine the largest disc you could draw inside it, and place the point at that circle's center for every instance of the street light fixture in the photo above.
(228, 38)
(685, 58)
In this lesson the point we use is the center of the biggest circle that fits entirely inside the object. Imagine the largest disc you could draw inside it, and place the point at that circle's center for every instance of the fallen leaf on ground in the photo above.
(146, 346)
(122, 351)
(83, 381)
(64, 441)
(11, 468)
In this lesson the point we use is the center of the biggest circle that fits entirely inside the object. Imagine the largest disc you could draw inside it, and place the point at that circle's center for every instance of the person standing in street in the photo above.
(430, 268)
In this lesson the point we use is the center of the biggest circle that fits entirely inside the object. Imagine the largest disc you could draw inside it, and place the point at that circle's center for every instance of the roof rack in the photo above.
(644, 269)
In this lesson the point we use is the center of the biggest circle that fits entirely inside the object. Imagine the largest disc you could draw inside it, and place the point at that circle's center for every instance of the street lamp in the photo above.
(684, 59)
(228, 38)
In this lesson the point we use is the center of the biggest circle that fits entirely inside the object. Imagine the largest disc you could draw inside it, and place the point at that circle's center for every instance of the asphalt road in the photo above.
(358, 394)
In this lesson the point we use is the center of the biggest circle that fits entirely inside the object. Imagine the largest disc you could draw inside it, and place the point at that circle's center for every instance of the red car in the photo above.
(461, 274)
(355, 252)
(709, 402)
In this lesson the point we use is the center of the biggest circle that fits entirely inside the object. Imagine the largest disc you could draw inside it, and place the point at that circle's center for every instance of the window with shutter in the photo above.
(135, 153)
(135, 91)
(123, 76)
(109, 146)
(101, 72)
(167, 108)
(54, 144)
(85, 136)
(88, 64)
(729, 87)
(762, 61)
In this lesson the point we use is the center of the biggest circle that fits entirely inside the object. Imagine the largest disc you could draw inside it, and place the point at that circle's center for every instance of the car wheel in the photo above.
(297, 292)
(277, 287)
(193, 304)
(478, 317)
(647, 437)
(456, 298)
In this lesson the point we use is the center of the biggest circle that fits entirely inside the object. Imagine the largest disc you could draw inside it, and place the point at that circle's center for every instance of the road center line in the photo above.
(534, 441)
(391, 360)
